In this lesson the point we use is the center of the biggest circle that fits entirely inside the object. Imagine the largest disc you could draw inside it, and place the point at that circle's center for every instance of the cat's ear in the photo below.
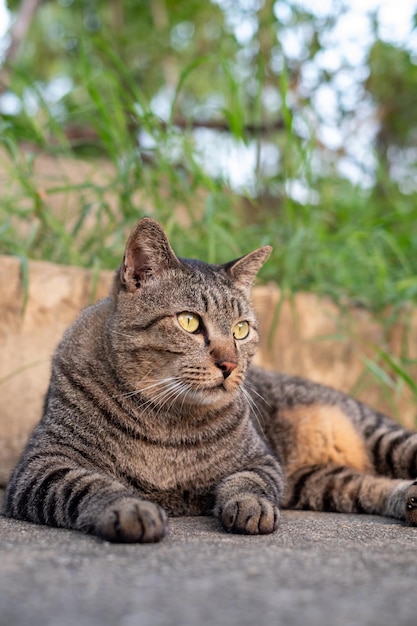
(243, 270)
(148, 253)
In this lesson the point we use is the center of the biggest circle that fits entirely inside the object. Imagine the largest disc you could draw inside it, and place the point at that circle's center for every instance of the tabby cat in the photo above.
(153, 409)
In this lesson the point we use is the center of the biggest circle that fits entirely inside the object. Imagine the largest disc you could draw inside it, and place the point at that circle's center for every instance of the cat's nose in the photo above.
(226, 367)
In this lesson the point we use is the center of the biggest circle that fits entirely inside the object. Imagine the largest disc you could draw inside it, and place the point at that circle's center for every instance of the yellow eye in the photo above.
(189, 321)
(241, 330)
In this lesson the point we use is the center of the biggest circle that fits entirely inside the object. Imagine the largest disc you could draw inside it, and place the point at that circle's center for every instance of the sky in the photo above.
(4, 18)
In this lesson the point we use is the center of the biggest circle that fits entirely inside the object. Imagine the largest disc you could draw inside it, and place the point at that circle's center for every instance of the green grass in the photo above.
(351, 244)
(348, 246)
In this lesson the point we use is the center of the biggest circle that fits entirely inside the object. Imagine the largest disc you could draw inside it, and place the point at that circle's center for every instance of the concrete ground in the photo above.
(318, 569)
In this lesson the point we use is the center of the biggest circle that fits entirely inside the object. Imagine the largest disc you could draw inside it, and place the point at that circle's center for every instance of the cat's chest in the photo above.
(188, 463)
(182, 466)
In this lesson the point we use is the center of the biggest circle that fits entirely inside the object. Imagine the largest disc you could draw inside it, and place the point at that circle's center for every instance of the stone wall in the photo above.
(305, 335)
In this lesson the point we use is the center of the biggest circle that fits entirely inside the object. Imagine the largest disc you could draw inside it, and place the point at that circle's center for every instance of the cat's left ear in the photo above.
(243, 270)
(148, 253)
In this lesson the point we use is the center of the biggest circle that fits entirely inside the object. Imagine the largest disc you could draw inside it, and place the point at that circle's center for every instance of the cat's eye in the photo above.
(189, 321)
(241, 330)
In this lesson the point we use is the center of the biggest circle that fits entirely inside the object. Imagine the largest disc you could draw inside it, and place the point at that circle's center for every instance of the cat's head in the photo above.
(182, 332)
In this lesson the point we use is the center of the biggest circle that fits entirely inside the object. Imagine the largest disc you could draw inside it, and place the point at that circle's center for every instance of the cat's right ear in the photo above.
(244, 270)
(148, 253)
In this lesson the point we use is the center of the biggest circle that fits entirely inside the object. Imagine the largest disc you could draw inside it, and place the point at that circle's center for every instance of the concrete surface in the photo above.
(318, 570)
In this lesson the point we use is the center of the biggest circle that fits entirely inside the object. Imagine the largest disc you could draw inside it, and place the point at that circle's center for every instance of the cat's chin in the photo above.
(214, 397)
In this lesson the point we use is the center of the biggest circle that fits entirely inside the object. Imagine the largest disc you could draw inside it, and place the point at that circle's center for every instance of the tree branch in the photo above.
(80, 133)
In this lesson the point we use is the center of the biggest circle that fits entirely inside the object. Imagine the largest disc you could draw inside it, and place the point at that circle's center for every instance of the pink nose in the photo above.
(226, 367)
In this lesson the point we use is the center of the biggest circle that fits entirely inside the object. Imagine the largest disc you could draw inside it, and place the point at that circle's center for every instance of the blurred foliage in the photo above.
(392, 84)
(149, 96)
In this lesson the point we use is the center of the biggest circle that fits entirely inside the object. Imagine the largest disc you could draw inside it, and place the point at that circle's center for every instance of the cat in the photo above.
(153, 409)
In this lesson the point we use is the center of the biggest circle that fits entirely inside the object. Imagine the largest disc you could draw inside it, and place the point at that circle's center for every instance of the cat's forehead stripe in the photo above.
(205, 302)
(217, 298)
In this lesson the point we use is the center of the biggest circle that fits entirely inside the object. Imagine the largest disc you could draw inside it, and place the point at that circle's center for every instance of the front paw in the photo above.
(250, 515)
(131, 520)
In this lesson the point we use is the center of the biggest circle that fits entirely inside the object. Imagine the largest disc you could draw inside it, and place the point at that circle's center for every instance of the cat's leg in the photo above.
(346, 490)
(392, 448)
(247, 501)
(58, 493)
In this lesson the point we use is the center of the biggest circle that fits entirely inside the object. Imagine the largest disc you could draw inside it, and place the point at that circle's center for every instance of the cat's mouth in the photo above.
(223, 385)
(210, 395)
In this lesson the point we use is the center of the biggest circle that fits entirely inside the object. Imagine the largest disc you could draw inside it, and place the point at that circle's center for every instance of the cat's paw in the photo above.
(131, 520)
(411, 504)
(250, 515)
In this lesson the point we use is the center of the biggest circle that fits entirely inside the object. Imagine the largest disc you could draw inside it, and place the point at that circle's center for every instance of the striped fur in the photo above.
(146, 418)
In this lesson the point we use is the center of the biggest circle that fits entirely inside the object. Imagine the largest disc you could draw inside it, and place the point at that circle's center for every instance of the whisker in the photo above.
(158, 383)
(168, 390)
(188, 391)
(260, 396)
(174, 391)
(254, 409)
